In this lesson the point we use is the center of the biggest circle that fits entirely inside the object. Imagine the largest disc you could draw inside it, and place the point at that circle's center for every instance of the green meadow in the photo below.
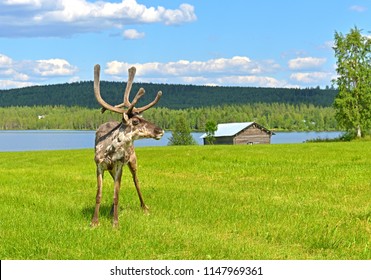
(296, 201)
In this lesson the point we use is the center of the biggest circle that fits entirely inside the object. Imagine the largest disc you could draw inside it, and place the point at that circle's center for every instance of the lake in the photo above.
(32, 140)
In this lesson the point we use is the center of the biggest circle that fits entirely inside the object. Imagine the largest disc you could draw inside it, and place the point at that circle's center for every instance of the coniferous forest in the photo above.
(73, 106)
(174, 96)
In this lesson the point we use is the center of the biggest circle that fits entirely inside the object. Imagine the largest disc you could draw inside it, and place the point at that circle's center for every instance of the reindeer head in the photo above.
(137, 127)
(133, 125)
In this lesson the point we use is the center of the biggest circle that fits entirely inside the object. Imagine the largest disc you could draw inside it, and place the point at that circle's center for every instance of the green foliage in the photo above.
(53, 117)
(304, 201)
(210, 129)
(353, 102)
(181, 135)
(174, 96)
(65, 106)
(345, 137)
(274, 116)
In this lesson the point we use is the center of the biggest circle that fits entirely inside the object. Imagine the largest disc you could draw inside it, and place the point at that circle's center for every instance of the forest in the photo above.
(174, 96)
(73, 106)
(275, 116)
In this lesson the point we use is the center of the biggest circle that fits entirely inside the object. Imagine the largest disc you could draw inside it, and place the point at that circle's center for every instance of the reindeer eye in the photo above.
(135, 122)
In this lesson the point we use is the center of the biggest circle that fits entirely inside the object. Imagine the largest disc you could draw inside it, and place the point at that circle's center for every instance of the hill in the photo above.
(174, 96)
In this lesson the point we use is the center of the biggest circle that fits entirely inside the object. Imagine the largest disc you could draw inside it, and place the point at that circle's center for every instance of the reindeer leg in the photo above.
(112, 173)
(117, 177)
(95, 220)
(133, 169)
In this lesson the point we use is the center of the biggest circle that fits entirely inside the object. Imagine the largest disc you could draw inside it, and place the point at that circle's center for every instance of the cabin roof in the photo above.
(229, 129)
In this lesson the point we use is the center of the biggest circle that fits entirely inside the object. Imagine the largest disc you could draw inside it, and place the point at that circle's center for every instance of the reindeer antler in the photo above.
(130, 105)
(131, 71)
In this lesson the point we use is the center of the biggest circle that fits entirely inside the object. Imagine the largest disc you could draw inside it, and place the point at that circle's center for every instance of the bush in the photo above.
(181, 135)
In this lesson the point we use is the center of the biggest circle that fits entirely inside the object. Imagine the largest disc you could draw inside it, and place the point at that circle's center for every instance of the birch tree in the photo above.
(353, 101)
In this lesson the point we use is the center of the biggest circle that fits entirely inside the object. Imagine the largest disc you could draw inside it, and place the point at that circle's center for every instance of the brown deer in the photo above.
(114, 142)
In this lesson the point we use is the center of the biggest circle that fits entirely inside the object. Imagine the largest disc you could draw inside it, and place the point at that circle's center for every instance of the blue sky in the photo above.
(265, 43)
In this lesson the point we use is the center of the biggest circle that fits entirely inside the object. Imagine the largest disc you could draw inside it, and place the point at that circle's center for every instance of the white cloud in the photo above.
(235, 71)
(358, 8)
(247, 80)
(302, 63)
(65, 17)
(6, 84)
(238, 70)
(5, 61)
(312, 77)
(220, 66)
(23, 2)
(328, 45)
(22, 73)
(261, 81)
(133, 34)
(74, 79)
(14, 74)
(185, 13)
(54, 67)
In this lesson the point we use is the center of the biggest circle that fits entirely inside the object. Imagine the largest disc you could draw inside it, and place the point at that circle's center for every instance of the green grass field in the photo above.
(297, 201)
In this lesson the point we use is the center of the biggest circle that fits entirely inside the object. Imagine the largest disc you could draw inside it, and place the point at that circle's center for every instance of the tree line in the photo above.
(174, 96)
(275, 116)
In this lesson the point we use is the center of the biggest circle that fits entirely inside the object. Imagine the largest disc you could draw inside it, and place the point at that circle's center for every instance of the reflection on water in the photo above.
(30, 140)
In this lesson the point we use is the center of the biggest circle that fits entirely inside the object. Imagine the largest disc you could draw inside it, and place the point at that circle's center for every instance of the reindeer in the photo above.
(114, 142)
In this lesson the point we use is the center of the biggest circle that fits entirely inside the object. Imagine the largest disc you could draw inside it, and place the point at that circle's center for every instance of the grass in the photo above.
(304, 201)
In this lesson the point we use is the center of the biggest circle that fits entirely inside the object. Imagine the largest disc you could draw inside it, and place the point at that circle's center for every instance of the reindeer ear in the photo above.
(125, 118)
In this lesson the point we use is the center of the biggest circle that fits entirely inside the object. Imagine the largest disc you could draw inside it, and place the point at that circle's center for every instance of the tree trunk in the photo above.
(359, 134)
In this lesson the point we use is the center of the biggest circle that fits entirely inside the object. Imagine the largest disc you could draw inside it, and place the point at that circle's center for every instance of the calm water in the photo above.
(30, 140)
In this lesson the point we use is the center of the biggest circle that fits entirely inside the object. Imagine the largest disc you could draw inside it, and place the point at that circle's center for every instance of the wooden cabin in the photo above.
(240, 134)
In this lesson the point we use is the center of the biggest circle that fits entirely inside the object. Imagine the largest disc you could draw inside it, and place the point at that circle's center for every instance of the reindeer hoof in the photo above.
(145, 209)
(115, 224)
(94, 223)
